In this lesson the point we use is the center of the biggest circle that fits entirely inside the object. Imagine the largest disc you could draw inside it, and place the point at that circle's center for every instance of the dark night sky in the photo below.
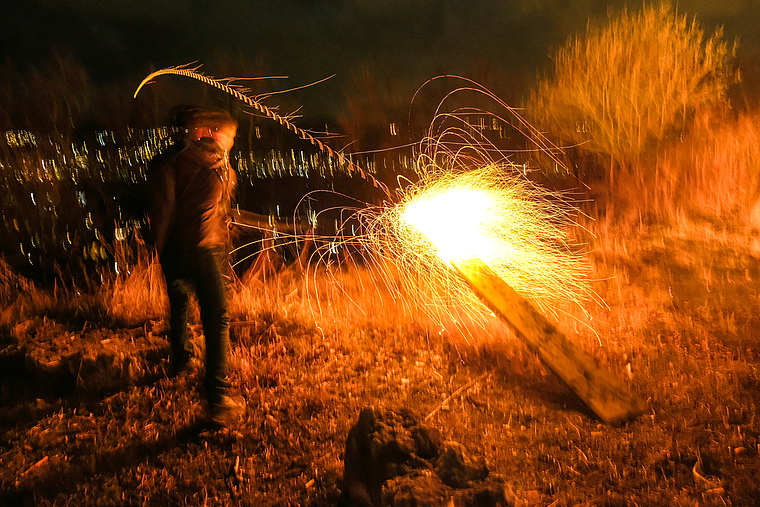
(119, 40)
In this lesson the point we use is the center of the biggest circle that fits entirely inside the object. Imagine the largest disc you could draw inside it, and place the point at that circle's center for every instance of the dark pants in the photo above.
(197, 269)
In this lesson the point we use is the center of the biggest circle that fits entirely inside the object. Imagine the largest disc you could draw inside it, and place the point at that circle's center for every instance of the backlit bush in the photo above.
(621, 89)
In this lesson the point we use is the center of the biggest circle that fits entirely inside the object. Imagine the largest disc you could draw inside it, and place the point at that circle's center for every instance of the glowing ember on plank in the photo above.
(454, 222)
(471, 228)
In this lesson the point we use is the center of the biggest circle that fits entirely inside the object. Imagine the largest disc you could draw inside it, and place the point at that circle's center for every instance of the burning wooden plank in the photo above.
(497, 231)
(611, 401)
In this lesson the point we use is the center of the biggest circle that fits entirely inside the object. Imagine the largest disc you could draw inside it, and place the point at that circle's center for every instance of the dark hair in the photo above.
(187, 117)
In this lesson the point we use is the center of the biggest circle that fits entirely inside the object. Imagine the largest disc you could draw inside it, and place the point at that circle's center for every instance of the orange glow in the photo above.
(455, 221)
(493, 214)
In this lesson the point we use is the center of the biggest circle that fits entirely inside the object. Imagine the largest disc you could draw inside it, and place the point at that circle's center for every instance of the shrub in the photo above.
(623, 88)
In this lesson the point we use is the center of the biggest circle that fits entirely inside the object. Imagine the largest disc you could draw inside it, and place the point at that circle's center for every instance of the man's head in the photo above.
(195, 123)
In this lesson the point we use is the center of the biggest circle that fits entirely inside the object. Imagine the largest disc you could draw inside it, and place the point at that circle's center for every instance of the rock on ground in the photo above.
(393, 460)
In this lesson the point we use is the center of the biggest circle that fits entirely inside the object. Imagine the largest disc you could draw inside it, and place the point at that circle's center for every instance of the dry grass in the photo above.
(138, 292)
(720, 165)
(680, 328)
(19, 297)
(310, 349)
(711, 177)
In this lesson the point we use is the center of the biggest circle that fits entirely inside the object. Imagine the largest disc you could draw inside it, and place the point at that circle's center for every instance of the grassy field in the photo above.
(680, 325)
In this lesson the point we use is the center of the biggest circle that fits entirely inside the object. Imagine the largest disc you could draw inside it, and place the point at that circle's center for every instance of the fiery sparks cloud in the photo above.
(491, 213)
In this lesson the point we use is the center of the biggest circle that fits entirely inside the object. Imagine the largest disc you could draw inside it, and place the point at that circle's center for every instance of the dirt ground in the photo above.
(89, 416)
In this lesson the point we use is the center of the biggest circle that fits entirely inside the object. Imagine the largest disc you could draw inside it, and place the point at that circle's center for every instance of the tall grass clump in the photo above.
(137, 292)
(620, 90)
(20, 299)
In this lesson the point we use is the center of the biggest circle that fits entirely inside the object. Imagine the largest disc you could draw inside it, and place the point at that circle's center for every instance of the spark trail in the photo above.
(469, 198)
(227, 85)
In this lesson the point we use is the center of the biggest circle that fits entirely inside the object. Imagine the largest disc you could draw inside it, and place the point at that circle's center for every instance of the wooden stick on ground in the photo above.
(610, 400)
(454, 395)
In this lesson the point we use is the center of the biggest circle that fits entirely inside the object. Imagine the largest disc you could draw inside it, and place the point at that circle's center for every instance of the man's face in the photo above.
(224, 135)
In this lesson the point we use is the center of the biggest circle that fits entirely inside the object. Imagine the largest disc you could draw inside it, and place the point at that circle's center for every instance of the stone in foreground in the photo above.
(393, 460)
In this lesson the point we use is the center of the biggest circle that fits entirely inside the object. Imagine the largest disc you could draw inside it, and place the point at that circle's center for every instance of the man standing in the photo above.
(191, 184)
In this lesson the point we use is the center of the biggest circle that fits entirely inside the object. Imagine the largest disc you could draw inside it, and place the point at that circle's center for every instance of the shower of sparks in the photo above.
(522, 231)
(467, 201)
(491, 213)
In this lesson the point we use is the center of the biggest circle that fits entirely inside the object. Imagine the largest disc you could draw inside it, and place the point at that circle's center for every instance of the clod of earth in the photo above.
(393, 460)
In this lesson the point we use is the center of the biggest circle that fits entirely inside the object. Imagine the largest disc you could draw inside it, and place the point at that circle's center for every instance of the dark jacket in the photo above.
(191, 187)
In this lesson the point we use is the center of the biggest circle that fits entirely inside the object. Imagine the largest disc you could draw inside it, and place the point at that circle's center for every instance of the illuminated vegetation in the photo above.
(623, 88)
(641, 107)
(309, 358)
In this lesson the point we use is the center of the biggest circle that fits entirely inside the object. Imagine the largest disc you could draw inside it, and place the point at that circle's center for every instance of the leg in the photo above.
(212, 298)
(179, 299)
